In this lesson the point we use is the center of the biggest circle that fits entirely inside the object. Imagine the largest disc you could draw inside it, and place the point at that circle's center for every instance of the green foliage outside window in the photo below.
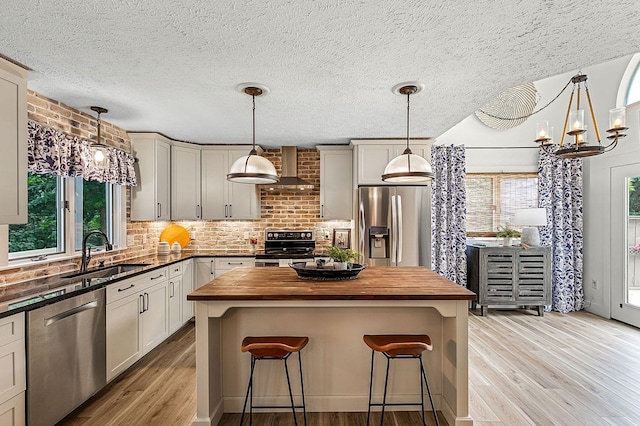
(41, 230)
(94, 210)
(634, 196)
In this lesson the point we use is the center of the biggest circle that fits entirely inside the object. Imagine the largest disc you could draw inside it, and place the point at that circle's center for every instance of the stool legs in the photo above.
(249, 393)
(423, 377)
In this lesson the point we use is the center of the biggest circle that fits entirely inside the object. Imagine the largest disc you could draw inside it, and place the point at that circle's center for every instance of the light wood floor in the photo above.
(575, 369)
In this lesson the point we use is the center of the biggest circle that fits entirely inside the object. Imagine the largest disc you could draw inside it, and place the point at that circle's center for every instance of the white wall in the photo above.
(514, 150)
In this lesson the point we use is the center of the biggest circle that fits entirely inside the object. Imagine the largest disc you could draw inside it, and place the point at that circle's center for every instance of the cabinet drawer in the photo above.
(175, 269)
(131, 286)
(11, 328)
(13, 377)
(227, 263)
(12, 412)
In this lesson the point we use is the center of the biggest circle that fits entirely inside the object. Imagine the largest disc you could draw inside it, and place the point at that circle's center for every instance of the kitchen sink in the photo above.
(107, 271)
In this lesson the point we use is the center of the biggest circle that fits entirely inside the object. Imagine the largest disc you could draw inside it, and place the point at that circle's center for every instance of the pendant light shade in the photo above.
(98, 149)
(253, 168)
(408, 167)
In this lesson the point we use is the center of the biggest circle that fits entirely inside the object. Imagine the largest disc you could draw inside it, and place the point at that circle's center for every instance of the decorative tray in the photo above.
(307, 271)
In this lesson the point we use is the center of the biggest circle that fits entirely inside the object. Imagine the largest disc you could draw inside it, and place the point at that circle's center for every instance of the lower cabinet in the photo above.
(13, 376)
(136, 318)
(222, 265)
(205, 270)
(187, 287)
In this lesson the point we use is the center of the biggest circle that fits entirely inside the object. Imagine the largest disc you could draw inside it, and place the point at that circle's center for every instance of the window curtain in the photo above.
(448, 213)
(560, 183)
(51, 151)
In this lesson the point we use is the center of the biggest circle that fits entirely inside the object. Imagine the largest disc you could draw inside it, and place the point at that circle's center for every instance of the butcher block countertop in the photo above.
(373, 283)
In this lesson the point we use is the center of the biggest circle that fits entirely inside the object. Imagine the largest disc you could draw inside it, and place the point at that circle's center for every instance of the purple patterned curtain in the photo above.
(51, 151)
(449, 213)
(560, 186)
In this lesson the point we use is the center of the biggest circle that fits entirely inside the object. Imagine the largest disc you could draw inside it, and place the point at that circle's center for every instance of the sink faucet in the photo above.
(86, 254)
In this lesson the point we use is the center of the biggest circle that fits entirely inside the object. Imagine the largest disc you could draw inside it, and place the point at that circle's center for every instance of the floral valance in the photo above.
(51, 151)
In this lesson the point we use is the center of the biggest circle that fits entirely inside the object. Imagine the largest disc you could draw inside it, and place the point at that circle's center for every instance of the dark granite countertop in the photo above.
(38, 292)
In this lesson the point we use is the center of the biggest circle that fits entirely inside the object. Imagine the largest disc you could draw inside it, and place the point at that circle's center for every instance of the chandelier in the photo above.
(98, 148)
(575, 127)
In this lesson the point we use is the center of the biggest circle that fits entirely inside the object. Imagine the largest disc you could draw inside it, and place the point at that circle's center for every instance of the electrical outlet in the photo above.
(246, 235)
(594, 284)
(326, 235)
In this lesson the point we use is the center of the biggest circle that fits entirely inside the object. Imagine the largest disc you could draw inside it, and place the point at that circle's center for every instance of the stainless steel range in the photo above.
(282, 247)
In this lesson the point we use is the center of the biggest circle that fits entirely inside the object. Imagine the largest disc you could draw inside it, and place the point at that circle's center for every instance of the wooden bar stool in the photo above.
(273, 348)
(399, 346)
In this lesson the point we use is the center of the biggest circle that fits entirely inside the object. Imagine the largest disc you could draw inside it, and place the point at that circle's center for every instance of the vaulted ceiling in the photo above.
(174, 66)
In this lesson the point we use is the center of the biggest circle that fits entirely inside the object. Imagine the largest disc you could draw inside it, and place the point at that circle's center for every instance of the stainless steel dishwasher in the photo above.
(66, 356)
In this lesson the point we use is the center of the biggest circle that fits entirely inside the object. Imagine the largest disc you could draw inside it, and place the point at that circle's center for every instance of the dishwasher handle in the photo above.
(62, 315)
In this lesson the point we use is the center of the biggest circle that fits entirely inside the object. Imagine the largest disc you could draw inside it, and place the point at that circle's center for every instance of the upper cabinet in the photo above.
(336, 184)
(372, 156)
(222, 199)
(150, 199)
(185, 183)
(13, 139)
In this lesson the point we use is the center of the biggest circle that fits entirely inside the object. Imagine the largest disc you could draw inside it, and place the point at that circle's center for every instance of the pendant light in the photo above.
(408, 167)
(98, 149)
(253, 168)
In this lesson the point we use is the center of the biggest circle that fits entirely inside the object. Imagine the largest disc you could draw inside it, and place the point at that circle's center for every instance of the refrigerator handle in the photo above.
(361, 234)
(394, 229)
(399, 226)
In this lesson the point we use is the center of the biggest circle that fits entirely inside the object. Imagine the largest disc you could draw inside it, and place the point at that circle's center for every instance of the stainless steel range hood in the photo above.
(289, 181)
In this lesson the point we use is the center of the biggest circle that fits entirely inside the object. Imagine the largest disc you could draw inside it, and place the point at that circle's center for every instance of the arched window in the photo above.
(632, 78)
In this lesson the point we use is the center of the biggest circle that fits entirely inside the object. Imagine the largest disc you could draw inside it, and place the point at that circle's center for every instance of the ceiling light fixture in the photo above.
(577, 128)
(408, 167)
(253, 168)
(98, 148)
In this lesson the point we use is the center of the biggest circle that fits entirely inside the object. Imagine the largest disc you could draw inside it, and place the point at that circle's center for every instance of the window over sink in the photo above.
(59, 208)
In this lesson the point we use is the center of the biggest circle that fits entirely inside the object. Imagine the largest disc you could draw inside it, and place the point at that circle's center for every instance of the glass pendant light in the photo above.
(98, 149)
(407, 167)
(253, 168)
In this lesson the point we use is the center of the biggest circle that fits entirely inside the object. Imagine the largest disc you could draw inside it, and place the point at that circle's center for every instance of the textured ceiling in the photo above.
(173, 66)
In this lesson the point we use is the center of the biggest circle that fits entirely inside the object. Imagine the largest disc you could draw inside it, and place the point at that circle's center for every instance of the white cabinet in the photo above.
(336, 185)
(222, 199)
(222, 265)
(13, 134)
(205, 271)
(180, 285)
(13, 377)
(136, 318)
(187, 287)
(150, 199)
(12, 412)
(372, 156)
(185, 183)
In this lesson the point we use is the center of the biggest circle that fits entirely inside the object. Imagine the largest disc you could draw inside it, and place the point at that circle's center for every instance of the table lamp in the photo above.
(531, 219)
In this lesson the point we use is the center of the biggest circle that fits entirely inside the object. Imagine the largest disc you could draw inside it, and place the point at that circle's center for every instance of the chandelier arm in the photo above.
(408, 115)
(528, 115)
(566, 118)
(612, 145)
(593, 116)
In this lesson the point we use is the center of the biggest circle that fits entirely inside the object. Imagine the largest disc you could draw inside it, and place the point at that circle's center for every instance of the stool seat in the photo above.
(396, 345)
(273, 346)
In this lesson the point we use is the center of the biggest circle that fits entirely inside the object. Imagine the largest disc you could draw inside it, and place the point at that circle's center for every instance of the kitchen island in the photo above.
(334, 315)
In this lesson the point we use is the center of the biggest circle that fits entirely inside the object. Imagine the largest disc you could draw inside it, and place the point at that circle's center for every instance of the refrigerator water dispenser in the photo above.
(378, 242)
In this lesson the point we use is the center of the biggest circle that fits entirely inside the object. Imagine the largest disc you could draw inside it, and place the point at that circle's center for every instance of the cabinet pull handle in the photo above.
(211, 270)
(226, 210)
(155, 278)
(230, 210)
(198, 211)
(146, 296)
(321, 210)
(126, 288)
(173, 291)
(159, 210)
(235, 263)
(141, 303)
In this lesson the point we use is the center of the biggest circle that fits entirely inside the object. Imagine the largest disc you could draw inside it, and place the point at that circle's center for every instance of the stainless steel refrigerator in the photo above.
(394, 225)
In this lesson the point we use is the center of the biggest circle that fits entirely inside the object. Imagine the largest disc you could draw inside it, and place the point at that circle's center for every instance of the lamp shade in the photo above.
(254, 169)
(407, 167)
(530, 217)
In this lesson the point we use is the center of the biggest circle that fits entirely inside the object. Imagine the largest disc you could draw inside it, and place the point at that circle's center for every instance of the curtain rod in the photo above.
(501, 147)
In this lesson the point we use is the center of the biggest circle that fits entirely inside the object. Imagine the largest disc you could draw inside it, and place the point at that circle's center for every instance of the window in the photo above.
(633, 92)
(493, 198)
(48, 226)
(44, 231)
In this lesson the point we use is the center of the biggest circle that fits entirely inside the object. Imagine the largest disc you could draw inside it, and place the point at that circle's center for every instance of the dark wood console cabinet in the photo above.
(509, 277)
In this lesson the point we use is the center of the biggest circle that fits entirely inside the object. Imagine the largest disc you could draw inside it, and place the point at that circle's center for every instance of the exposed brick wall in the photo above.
(280, 209)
